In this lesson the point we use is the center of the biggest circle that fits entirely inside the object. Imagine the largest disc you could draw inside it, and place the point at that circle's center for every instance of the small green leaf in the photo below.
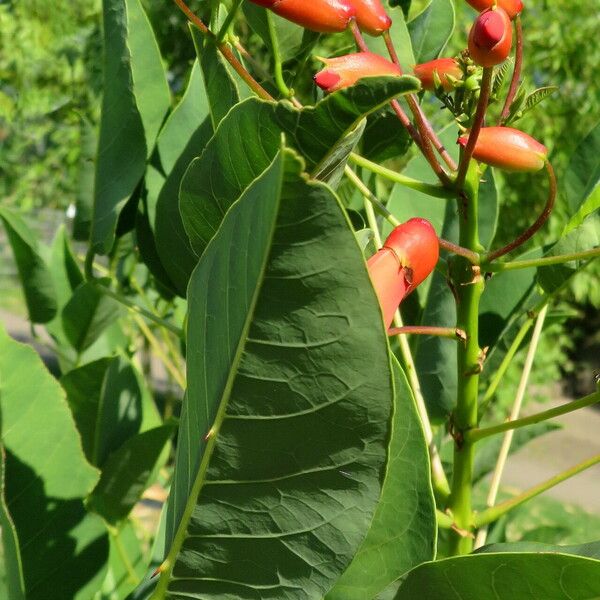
(431, 30)
(127, 472)
(87, 314)
(36, 278)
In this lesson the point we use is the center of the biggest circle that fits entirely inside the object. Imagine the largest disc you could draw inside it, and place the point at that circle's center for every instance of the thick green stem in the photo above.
(474, 435)
(495, 512)
(469, 284)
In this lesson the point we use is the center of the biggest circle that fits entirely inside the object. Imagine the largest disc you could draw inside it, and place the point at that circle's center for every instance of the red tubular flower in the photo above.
(371, 16)
(325, 16)
(508, 149)
(490, 39)
(512, 7)
(443, 67)
(344, 71)
(408, 256)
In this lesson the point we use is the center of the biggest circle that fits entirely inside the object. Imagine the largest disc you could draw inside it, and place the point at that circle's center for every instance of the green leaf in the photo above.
(36, 278)
(65, 270)
(84, 200)
(127, 472)
(584, 237)
(184, 137)
(403, 531)
(45, 480)
(385, 137)
(87, 314)
(134, 104)
(589, 550)
(248, 139)
(282, 316)
(110, 404)
(504, 577)
(401, 37)
(431, 30)
(582, 179)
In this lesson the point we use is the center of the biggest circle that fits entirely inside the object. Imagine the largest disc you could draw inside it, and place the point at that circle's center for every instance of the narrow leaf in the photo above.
(431, 30)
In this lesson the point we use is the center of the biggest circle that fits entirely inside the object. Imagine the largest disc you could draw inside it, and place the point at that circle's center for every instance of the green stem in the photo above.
(228, 20)
(495, 512)
(277, 62)
(446, 332)
(444, 520)
(541, 262)
(469, 285)
(414, 184)
(370, 196)
(123, 555)
(484, 98)
(474, 435)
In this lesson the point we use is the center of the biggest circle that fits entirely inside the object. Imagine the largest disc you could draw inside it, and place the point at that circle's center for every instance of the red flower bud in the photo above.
(490, 39)
(408, 256)
(371, 16)
(443, 67)
(508, 149)
(326, 16)
(512, 7)
(344, 71)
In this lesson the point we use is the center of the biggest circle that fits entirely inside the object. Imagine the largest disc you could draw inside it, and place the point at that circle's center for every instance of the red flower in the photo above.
(490, 39)
(508, 149)
(344, 71)
(512, 7)
(443, 67)
(371, 16)
(326, 16)
(408, 256)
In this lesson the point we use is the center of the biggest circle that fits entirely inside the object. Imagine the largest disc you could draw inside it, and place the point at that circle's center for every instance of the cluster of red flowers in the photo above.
(411, 252)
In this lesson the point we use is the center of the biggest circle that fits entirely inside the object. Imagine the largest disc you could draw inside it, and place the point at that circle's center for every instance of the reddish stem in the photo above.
(516, 76)
(471, 256)
(225, 51)
(531, 231)
(445, 332)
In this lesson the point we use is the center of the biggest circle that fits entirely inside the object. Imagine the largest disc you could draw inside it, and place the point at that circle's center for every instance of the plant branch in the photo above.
(514, 414)
(516, 76)
(426, 188)
(495, 512)
(533, 229)
(414, 106)
(470, 255)
(542, 262)
(482, 104)
(228, 20)
(450, 333)
(478, 434)
(370, 196)
(438, 476)
(225, 51)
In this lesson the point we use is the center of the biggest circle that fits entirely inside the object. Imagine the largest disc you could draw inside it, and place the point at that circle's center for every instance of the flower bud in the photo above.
(325, 16)
(490, 39)
(344, 71)
(508, 149)
(442, 67)
(408, 256)
(371, 16)
(512, 7)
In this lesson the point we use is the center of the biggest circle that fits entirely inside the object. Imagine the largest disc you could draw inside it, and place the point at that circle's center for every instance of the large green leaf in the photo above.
(36, 278)
(589, 550)
(288, 364)
(87, 314)
(134, 105)
(508, 576)
(431, 30)
(583, 178)
(248, 139)
(583, 237)
(46, 477)
(402, 534)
